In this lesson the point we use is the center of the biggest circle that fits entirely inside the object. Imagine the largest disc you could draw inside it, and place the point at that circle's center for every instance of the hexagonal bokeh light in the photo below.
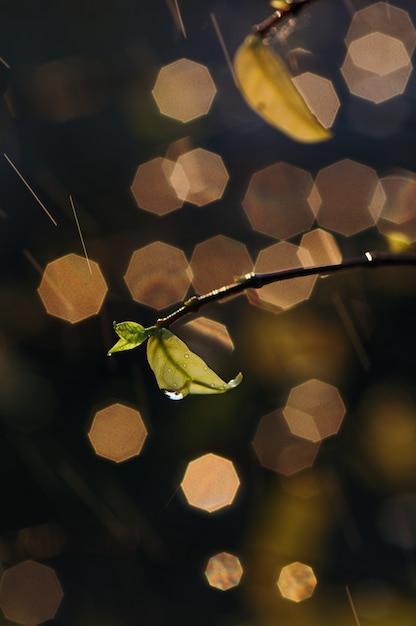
(216, 261)
(158, 275)
(199, 177)
(297, 581)
(378, 53)
(72, 288)
(280, 450)
(224, 571)
(377, 67)
(380, 42)
(209, 330)
(398, 214)
(152, 188)
(276, 201)
(314, 410)
(179, 147)
(117, 433)
(321, 247)
(184, 90)
(348, 200)
(209, 339)
(385, 18)
(320, 96)
(30, 593)
(210, 483)
(287, 293)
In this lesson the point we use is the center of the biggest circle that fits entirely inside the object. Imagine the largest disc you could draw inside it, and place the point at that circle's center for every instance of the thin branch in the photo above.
(273, 20)
(257, 281)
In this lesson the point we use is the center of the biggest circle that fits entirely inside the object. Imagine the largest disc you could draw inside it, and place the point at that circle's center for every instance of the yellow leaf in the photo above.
(266, 85)
(282, 5)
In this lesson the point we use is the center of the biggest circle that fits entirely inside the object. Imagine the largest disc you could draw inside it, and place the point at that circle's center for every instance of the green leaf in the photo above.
(131, 335)
(179, 371)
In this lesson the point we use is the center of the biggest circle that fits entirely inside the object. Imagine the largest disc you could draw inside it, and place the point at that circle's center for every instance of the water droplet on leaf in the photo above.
(173, 395)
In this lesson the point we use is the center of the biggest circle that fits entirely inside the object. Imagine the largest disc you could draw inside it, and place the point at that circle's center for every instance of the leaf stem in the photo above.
(256, 281)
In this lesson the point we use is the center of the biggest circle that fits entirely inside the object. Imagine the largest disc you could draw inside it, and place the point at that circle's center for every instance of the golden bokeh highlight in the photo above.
(210, 483)
(320, 96)
(30, 593)
(179, 147)
(347, 191)
(152, 188)
(276, 201)
(210, 330)
(284, 294)
(224, 571)
(380, 43)
(209, 339)
(314, 410)
(388, 437)
(297, 581)
(184, 90)
(297, 346)
(377, 67)
(199, 177)
(72, 288)
(216, 261)
(320, 246)
(280, 450)
(398, 213)
(378, 53)
(158, 275)
(383, 17)
(117, 433)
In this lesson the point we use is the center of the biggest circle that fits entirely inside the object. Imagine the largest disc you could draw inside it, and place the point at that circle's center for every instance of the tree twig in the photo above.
(273, 20)
(257, 281)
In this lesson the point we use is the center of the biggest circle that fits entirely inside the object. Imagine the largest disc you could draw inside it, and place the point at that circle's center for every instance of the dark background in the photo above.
(123, 541)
